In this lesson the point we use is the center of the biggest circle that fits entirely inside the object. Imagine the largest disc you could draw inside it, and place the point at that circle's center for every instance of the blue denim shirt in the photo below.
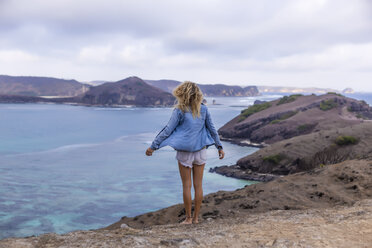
(185, 133)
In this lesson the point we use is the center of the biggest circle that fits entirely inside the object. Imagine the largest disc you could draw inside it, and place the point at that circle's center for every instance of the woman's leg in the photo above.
(185, 173)
(197, 174)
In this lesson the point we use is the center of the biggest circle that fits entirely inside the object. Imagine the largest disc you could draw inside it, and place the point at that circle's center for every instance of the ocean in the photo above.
(65, 168)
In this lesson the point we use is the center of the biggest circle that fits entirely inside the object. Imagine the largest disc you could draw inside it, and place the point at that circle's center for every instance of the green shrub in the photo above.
(288, 99)
(328, 104)
(274, 159)
(346, 140)
(253, 109)
(334, 93)
(304, 127)
(275, 121)
(284, 117)
(349, 109)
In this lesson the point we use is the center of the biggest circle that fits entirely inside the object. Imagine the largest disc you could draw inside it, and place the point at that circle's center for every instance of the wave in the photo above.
(58, 149)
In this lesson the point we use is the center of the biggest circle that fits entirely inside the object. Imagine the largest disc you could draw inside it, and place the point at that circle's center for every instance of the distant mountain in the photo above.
(40, 86)
(129, 91)
(348, 91)
(208, 89)
(294, 90)
(227, 90)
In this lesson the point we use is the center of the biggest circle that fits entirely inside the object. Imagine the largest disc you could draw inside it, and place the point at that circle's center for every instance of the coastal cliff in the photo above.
(329, 206)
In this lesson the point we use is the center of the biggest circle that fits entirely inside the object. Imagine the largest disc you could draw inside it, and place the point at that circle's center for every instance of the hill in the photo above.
(290, 116)
(208, 89)
(129, 91)
(40, 86)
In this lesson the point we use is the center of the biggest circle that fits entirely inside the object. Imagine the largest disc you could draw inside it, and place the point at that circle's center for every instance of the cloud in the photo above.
(17, 56)
(234, 41)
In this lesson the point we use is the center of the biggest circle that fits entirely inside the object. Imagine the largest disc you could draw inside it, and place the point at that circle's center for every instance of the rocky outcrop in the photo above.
(40, 86)
(325, 207)
(303, 153)
(270, 122)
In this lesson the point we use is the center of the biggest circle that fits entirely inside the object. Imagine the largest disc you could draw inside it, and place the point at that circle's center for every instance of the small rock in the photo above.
(124, 226)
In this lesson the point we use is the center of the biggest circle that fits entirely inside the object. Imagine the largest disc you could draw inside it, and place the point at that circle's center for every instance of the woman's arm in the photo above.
(167, 130)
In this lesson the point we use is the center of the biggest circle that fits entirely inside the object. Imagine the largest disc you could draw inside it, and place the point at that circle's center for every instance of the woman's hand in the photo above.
(149, 151)
(221, 154)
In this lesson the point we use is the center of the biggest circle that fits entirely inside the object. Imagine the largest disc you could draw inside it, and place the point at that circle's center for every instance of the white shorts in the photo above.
(187, 159)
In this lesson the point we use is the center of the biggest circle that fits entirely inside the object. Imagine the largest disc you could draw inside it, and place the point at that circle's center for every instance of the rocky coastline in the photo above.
(298, 133)
(328, 206)
(236, 172)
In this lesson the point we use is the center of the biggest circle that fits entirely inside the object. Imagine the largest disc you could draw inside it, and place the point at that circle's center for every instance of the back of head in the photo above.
(189, 97)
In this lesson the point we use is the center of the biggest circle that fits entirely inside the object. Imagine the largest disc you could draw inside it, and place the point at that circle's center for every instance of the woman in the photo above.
(189, 131)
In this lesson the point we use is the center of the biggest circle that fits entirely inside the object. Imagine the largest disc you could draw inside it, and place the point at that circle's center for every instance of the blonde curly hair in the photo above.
(189, 97)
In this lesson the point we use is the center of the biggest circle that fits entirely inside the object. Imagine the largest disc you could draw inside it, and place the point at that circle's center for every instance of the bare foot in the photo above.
(195, 221)
(187, 221)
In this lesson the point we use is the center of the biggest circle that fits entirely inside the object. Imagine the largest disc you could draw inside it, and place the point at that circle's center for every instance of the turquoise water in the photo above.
(64, 168)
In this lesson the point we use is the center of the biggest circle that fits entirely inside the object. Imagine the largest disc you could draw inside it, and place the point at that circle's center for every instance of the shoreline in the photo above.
(234, 171)
(90, 105)
(243, 142)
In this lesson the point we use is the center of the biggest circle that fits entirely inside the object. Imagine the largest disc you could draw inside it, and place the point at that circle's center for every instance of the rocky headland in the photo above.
(299, 133)
(129, 91)
(290, 116)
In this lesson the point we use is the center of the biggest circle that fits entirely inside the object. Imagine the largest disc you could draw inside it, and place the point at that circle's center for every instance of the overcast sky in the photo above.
(312, 43)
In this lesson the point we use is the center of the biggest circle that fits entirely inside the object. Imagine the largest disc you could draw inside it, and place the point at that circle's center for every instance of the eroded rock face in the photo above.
(304, 115)
(303, 153)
